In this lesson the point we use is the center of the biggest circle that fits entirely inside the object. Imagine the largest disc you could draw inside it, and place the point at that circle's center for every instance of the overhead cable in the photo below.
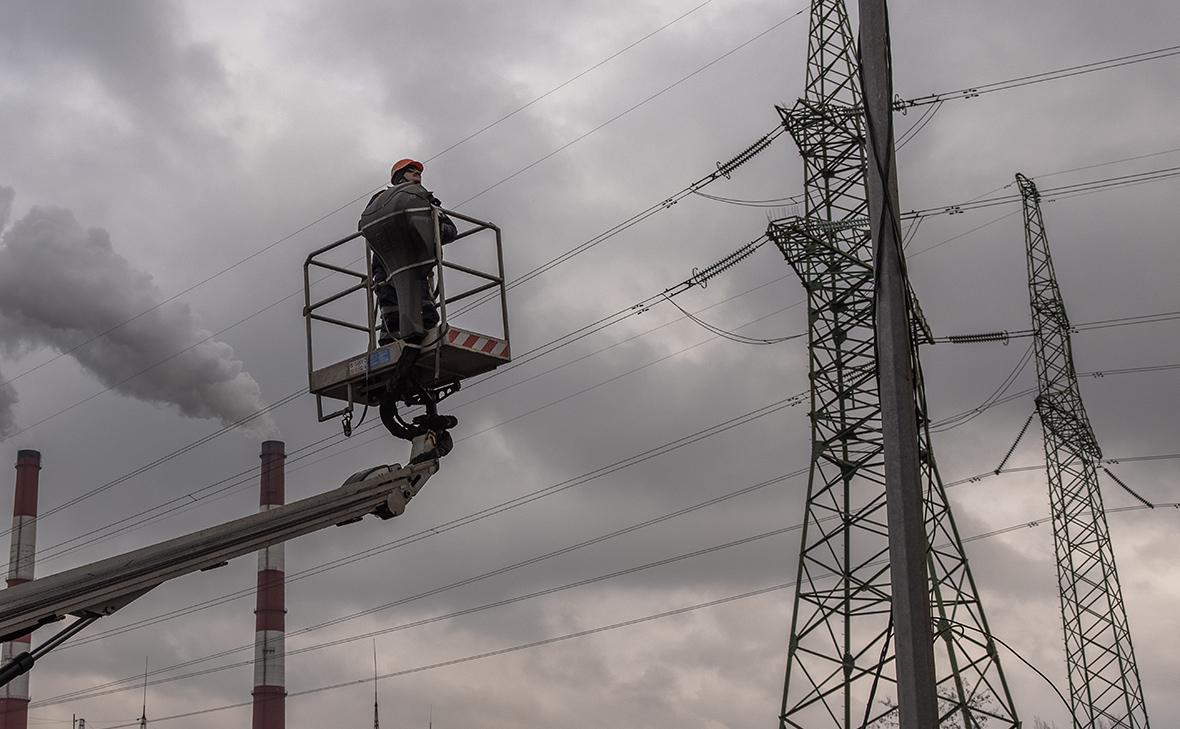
(1106, 183)
(560, 638)
(972, 92)
(491, 511)
(969, 92)
(712, 271)
(1007, 335)
(364, 194)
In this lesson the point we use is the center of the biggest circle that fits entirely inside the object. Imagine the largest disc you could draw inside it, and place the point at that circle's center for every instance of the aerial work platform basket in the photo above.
(449, 354)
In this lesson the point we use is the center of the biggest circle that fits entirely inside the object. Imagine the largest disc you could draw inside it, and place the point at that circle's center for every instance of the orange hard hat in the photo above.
(402, 164)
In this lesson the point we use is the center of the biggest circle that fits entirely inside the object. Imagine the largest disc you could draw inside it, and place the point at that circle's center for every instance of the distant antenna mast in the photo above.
(376, 719)
(143, 714)
(430, 720)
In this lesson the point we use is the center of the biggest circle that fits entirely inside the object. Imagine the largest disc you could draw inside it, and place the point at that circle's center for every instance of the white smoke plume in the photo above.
(61, 285)
(8, 397)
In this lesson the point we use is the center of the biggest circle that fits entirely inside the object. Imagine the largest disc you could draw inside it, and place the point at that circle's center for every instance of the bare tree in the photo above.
(890, 720)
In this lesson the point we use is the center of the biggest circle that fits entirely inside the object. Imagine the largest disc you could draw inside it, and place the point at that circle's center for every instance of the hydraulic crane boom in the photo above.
(100, 588)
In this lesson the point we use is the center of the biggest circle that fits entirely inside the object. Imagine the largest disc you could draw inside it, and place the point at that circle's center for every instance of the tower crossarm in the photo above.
(1059, 400)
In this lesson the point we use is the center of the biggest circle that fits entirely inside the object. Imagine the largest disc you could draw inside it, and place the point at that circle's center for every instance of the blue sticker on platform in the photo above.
(380, 357)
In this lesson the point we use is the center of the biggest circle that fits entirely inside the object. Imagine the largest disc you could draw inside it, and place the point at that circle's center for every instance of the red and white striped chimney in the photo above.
(270, 686)
(14, 697)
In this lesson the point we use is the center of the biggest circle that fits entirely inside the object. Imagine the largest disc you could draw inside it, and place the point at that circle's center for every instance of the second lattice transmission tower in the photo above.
(1104, 687)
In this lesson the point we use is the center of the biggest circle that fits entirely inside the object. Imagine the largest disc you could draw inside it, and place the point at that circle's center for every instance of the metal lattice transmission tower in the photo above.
(1104, 687)
(840, 659)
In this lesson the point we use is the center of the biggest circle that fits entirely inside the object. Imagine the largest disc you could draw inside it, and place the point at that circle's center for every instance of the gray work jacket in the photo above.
(404, 239)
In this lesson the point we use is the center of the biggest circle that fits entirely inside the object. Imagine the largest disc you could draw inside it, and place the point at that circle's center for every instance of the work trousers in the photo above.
(407, 322)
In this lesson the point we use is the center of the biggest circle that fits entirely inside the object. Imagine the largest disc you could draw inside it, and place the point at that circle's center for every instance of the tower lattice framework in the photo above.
(840, 658)
(1104, 687)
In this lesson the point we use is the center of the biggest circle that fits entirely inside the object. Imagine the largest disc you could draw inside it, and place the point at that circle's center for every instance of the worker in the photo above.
(404, 249)
(398, 225)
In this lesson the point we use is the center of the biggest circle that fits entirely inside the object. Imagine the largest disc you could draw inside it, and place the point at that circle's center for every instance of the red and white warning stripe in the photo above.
(478, 343)
(270, 621)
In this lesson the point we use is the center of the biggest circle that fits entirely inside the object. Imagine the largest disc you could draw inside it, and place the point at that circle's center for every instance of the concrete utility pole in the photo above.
(916, 694)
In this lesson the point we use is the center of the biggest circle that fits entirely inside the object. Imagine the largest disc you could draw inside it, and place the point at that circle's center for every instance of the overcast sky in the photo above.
(146, 147)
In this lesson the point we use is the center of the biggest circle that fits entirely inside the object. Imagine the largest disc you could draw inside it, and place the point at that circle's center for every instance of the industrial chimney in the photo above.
(270, 688)
(14, 697)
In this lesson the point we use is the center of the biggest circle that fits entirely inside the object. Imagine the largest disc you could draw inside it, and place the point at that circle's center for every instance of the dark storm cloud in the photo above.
(317, 99)
(61, 285)
(131, 47)
(424, 56)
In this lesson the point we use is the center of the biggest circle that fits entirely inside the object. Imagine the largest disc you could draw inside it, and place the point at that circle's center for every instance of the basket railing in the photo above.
(361, 279)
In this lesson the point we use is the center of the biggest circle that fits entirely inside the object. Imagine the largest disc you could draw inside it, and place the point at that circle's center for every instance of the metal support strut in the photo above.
(23, 662)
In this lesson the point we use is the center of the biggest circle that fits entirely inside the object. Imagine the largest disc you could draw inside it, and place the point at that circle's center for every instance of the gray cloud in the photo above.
(219, 127)
(135, 54)
(61, 285)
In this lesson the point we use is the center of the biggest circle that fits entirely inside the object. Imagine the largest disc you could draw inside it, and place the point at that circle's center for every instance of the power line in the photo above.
(693, 188)
(957, 419)
(578, 634)
(796, 399)
(723, 170)
(627, 530)
(1057, 193)
(931, 99)
(362, 196)
(916, 128)
(96, 692)
(942, 425)
(164, 459)
(494, 511)
(547, 348)
(731, 336)
(102, 689)
(971, 92)
(567, 82)
(968, 415)
(1105, 183)
(935, 99)
(765, 141)
(1006, 335)
(770, 203)
(632, 108)
(525, 499)
(182, 503)
(435, 530)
